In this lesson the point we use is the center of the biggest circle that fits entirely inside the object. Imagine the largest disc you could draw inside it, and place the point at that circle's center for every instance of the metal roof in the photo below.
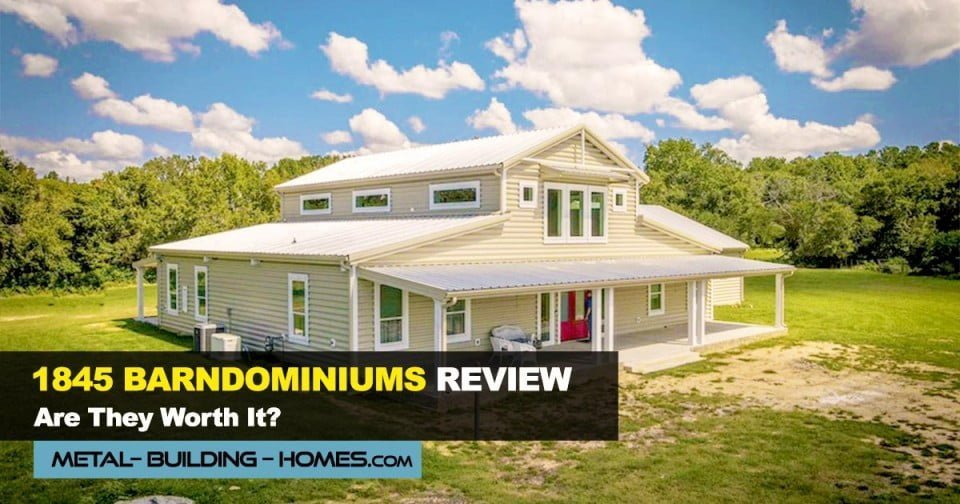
(331, 238)
(672, 222)
(478, 152)
(477, 279)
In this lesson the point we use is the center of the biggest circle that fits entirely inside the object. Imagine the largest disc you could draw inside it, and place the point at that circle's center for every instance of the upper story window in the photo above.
(528, 194)
(619, 200)
(455, 195)
(371, 200)
(575, 213)
(315, 204)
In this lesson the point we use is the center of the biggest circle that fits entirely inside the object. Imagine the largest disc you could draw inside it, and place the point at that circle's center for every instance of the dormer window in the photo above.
(619, 200)
(455, 195)
(528, 194)
(371, 200)
(315, 204)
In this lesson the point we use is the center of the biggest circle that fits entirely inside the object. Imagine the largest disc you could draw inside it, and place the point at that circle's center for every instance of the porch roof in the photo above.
(481, 280)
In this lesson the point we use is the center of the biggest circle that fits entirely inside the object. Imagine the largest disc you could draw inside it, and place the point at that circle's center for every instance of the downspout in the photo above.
(503, 188)
(353, 307)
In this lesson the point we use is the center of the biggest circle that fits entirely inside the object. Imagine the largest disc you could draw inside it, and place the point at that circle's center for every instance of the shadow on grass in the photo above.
(152, 331)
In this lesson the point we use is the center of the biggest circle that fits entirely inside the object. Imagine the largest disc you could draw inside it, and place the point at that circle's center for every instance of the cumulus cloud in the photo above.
(81, 159)
(349, 56)
(378, 133)
(798, 53)
(325, 95)
(447, 39)
(866, 78)
(585, 55)
(741, 101)
(336, 137)
(613, 126)
(908, 33)
(92, 87)
(38, 65)
(416, 124)
(496, 117)
(157, 30)
(688, 116)
(146, 110)
(224, 130)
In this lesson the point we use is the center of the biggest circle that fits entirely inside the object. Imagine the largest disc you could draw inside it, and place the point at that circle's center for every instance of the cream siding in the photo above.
(630, 308)
(569, 151)
(487, 313)
(727, 291)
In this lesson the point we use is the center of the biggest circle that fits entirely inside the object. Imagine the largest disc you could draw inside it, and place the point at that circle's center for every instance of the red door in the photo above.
(572, 328)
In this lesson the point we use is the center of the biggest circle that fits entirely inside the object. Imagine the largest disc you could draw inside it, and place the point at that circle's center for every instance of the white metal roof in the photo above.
(478, 152)
(332, 238)
(476, 278)
(672, 222)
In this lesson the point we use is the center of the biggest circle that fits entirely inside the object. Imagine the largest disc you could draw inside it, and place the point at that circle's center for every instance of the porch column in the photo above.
(779, 313)
(354, 310)
(692, 313)
(609, 340)
(701, 311)
(439, 326)
(139, 294)
(597, 316)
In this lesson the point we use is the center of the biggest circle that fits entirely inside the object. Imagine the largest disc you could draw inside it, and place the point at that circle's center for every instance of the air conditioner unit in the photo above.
(225, 346)
(201, 336)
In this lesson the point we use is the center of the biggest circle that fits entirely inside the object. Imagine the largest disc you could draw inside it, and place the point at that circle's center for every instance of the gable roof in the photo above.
(671, 222)
(490, 152)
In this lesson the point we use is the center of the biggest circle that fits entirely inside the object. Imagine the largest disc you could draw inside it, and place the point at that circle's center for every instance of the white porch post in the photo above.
(779, 322)
(701, 311)
(140, 294)
(611, 333)
(354, 311)
(597, 316)
(692, 313)
(439, 326)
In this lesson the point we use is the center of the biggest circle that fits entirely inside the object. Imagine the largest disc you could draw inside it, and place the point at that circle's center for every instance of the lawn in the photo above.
(685, 447)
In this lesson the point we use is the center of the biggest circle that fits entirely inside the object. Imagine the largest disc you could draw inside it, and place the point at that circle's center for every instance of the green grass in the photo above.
(745, 455)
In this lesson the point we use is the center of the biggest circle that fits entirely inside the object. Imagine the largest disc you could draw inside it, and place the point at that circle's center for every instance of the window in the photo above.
(575, 213)
(298, 302)
(173, 288)
(528, 195)
(371, 200)
(619, 200)
(655, 301)
(315, 204)
(458, 322)
(455, 195)
(200, 293)
(390, 327)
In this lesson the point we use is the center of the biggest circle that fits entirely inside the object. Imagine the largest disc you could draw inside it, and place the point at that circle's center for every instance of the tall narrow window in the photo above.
(458, 322)
(391, 323)
(200, 289)
(546, 316)
(298, 302)
(576, 208)
(598, 211)
(553, 212)
(655, 300)
(173, 288)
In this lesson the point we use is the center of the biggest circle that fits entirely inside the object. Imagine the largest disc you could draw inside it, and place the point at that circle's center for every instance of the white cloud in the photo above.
(92, 87)
(325, 95)
(741, 101)
(336, 137)
(416, 124)
(447, 39)
(688, 116)
(585, 55)
(378, 133)
(159, 150)
(224, 130)
(67, 164)
(38, 65)
(908, 33)
(606, 125)
(798, 53)
(496, 117)
(146, 110)
(74, 157)
(866, 78)
(157, 30)
(349, 56)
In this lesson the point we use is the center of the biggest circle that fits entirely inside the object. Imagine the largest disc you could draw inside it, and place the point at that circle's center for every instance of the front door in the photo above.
(573, 322)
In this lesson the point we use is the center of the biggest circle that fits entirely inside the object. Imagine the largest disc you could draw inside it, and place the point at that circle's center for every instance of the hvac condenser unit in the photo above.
(201, 336)
(225, 346)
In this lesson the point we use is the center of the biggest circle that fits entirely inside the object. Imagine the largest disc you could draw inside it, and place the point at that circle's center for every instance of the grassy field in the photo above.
(684, 447)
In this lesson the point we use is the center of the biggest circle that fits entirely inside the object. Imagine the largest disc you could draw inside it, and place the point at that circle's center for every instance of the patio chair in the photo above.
(511, 338)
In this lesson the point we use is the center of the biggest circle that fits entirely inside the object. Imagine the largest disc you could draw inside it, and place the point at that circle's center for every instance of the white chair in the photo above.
(511, 338)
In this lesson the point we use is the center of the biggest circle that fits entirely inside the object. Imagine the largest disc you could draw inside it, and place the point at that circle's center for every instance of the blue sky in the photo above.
(831, 76)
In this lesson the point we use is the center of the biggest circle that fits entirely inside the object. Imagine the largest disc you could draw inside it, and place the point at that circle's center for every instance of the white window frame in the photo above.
(305, 197)
(467, 334)
(663, 300)
(525, 184)
(370, 192)
(613, 201)
(305, 337)
(175, 268)
(471, 184)
(404, 342)
(588, 191)
(196, 293)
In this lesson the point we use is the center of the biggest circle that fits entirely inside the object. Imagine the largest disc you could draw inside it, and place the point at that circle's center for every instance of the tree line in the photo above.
(896, 209)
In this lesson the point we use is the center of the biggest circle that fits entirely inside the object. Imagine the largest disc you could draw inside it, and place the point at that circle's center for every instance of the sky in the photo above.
(88, 86)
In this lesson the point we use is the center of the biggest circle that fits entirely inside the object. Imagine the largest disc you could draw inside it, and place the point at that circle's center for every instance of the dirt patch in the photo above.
(788, 378)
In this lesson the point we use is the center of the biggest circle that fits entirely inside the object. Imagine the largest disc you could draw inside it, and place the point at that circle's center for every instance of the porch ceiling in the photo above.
(480, 280)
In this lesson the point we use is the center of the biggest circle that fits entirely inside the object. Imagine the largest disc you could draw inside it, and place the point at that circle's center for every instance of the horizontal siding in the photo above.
(630, 308)
(408, 199)
(727, 291)
(488, 313)
(569, 152)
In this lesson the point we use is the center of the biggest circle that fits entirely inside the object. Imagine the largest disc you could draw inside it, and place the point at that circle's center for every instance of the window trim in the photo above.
(305, 197)
(196, 293)
(663, 300)
(291, 336)
(370, 192)
(404, 342)
(465, 336)
(523, 185)
(175, 268)
(613, 201)
(468, 184)
(586, 216)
